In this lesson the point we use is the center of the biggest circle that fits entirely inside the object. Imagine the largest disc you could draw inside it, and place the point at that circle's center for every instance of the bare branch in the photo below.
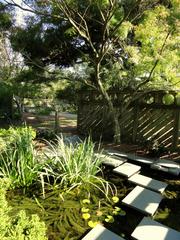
(81, 27)
(29, 9)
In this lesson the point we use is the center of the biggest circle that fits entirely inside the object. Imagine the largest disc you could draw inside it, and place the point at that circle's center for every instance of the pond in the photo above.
(62, 212)
(70, 189)
(63, 183)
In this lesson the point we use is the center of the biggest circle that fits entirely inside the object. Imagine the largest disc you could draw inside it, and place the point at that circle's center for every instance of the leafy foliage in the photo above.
(130, 45)
(20, 226)
(132, 32)
(5, 18)
(19, 160)
(151, 33)
(5, 99)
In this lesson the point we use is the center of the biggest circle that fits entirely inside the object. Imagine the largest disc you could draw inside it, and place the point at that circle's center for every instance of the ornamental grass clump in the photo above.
(19, 161)
(75, 166)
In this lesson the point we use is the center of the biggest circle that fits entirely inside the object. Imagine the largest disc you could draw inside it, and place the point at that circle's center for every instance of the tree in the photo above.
(126, 44)
(5, 58)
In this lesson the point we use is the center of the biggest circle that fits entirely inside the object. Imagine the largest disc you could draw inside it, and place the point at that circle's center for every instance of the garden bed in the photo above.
(64, 198)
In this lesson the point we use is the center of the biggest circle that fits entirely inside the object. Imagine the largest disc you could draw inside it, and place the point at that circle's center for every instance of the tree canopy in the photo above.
(121, 44)
(131, 36)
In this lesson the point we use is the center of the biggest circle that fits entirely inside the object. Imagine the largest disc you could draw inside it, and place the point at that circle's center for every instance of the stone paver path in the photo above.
(113, 161)
(132, 157)
(101, 233)
(143, 200)
(149, 229)
(127, 169)
(166, 166)
(148, 182)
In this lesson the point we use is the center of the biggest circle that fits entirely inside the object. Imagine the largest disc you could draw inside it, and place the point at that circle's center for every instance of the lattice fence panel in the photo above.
(140, 123)
(156, 124)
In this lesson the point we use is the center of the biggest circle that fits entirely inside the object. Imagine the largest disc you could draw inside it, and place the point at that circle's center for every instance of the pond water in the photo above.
(62, 211)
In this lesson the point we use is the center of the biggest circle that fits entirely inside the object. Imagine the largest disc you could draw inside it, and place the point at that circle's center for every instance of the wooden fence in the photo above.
(142, 122)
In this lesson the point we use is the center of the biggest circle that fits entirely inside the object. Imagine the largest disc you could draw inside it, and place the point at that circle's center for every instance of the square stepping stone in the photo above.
(111, 160)
(127, 169)
(148, 182)
(143, 200)
(167, 163)
(101, 233)
(149, 229)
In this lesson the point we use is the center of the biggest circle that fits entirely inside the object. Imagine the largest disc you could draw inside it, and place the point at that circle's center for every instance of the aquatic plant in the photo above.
(63, 211)
(101, 211)
(75, 166)
(115, 199)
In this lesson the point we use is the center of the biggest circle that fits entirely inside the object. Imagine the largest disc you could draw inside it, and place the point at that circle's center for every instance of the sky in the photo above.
(19, 13)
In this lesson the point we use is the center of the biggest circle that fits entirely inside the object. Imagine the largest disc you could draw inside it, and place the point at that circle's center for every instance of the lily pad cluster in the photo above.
(105, 213)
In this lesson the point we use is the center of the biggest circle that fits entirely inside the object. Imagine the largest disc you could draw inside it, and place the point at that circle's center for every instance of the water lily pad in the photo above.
(118, 209)
(109, 219)
(115, 199)
(115, 212)
(86, 216)
(122, 213)
(92, 224)
(84, 210)
(86, 201)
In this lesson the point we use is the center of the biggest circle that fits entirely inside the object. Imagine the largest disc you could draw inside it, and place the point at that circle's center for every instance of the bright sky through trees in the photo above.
(19, 17)
(19, 13)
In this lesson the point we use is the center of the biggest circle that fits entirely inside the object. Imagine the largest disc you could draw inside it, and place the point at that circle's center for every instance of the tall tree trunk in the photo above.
(115, 119)
(112, 110)
(20, 107)
(56, 120)
(117, 128)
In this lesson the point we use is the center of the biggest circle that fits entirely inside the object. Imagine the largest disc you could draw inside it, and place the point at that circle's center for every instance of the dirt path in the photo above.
(68, 122)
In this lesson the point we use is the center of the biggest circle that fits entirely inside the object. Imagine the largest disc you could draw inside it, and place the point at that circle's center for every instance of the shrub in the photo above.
(19, 160)
(45, 134)
(11, 135)
(21, 226)
(44, 110)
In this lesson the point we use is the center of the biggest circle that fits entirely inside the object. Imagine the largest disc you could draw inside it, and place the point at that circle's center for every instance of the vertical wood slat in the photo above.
(135, 123)
(139, 123)
(176, 130)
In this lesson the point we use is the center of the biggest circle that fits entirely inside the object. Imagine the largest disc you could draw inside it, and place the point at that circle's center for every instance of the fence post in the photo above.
(135, 122)
(176, 130)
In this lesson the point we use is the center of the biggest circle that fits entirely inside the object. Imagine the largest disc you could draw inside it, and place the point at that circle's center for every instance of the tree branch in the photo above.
(155, 63)
(34, 11)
